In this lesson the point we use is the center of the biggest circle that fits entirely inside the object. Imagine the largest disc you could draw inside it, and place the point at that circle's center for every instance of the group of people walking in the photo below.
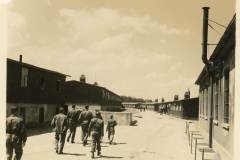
(91, 125)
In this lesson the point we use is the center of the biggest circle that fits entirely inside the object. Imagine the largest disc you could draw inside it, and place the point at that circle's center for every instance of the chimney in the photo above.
(205, 35)
(83, 78)
(20, 58)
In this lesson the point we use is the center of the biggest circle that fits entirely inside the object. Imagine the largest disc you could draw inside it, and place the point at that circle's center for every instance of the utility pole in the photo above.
(210, 68)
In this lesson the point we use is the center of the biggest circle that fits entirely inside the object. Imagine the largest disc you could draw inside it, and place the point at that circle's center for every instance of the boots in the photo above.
(92, 155)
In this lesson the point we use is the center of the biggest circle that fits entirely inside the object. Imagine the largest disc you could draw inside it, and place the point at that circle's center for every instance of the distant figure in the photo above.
(16, 135)
(72, 117)
(96, 128)
(60, 125)
(111, 129)
(100, 116)
(84, 119)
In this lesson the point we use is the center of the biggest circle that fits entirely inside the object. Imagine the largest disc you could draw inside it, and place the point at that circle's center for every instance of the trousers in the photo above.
(59, 141)
(71, 134)
(13, 143)
(96, 140)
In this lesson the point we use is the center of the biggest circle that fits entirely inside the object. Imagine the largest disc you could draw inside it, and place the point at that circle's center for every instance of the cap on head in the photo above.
(98, 113)
(111, 116)
(73, 106)
(86, 107)
(14, 109)
(61, 110)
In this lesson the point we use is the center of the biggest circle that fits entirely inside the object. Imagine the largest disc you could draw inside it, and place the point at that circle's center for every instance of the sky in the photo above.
(141, 48)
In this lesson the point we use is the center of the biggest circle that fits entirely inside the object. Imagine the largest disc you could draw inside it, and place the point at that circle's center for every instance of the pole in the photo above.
(211, 112)
(210, 68)
(205, 35)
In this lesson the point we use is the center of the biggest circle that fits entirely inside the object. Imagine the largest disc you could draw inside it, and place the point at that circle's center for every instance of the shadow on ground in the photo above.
(39, 130)
(74, 154)
(108, 157)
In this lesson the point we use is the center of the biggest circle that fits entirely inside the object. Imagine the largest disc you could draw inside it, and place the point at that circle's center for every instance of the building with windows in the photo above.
(37, 92)
(81, 93)
(184, 108)
(223, 94)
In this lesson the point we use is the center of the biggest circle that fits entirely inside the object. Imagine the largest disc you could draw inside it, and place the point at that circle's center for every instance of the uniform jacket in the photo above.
(85, 117)
(60, 123)
(96, 126)
(16, 127)
(72, 117)
(111, 125)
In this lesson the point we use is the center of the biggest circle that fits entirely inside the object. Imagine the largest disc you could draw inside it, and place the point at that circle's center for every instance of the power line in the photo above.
(217, 23)
(214, 29)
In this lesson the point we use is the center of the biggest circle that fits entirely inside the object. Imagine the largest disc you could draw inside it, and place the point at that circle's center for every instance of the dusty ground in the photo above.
(156, 137)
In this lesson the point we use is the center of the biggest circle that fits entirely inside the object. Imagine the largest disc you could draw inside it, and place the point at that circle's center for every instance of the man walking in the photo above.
(60, 125)
(84, 119)
(16, 135)
(72, 117)
(111, 129)
(96, 128)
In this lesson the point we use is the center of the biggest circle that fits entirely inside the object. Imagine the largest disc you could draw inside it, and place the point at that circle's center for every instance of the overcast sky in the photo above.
(149, 49)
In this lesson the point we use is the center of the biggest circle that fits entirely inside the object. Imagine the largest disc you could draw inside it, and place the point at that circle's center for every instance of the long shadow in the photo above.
(110, 157)
(74, 154)
(116, 143)
(39, 130)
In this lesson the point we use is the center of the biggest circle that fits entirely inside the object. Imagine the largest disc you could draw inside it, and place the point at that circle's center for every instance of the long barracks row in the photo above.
(38, 93)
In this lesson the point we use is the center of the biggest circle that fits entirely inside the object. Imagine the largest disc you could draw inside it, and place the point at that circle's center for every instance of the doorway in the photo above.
(41, 115)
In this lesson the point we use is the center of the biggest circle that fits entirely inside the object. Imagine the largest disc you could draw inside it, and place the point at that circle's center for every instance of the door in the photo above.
(23, 113)
(41, 115)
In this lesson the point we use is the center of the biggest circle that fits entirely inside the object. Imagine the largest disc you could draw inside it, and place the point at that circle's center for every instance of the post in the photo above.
(205, 35)
(210, 68)
(211, 112)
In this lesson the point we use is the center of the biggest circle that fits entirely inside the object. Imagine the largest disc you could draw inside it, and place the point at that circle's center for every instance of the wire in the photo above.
(217, 23)
(214, 29)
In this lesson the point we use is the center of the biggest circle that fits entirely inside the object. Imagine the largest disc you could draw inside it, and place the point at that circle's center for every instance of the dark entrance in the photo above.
(23, 113)
(41, 115)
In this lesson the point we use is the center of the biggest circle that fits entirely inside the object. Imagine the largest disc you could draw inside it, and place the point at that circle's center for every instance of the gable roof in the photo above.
(35, 67)
(226, 42)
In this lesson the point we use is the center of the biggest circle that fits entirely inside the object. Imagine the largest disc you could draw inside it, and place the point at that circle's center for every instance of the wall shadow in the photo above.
(74, 154)
(39, 130)
(108, 157)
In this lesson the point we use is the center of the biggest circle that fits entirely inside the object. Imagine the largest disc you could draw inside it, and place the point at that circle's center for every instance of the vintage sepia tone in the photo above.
(121, 80)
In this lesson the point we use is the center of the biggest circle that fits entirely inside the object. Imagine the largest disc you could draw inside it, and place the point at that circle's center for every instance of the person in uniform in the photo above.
(84, 120)
(111, 129)
(16, 135)
(72, 117)
(100, 116)
(96, 128)
(60, 125)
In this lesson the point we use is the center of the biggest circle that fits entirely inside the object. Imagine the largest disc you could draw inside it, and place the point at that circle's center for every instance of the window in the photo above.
(58, 85)
(226, 96)
(203, 102)
(216, 95)
(24, 77)
(206, 102)
(42, 83)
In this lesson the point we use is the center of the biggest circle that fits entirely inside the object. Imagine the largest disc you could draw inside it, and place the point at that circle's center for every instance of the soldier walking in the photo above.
(16, 135)
(60, 125)
(84, 119)
(96, 128)
(111, 129)
(72, 117)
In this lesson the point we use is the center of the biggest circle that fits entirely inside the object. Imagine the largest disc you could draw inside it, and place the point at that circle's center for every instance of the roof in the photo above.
(90, 85)
(181, 100)
(35, 67)
(226, 42)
